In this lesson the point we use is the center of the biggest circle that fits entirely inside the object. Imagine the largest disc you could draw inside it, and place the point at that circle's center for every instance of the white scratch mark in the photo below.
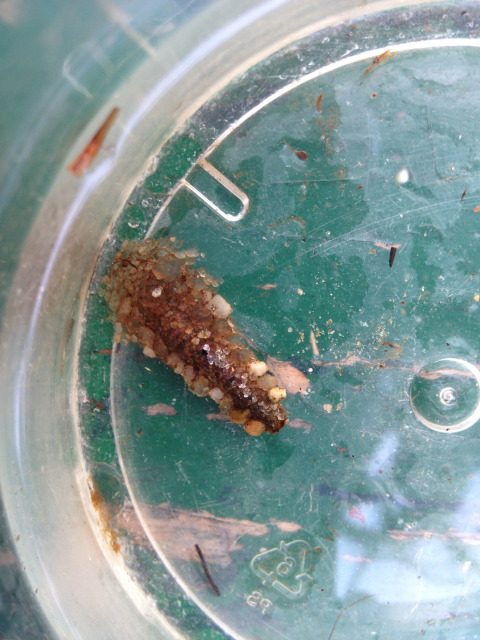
(123, 20)
(310, 496)
(70, 78)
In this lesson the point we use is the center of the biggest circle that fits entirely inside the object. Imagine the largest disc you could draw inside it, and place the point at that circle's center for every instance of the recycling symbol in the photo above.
(286, 568)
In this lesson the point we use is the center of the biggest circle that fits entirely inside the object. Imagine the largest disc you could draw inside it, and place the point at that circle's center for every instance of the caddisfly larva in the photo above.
(174, 312)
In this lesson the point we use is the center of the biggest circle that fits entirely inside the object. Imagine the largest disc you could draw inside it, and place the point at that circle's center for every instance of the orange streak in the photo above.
(86, 157)
(318, 102)
(378, 60)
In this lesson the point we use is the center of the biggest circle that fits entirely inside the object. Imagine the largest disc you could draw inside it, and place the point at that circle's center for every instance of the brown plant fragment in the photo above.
(87, 156)
(160, 409)
(391, 256)
(288, 376)
(219, 537)
(206, 571)
(378, 60)
(267, 287)
(318, 102)
(301, 155)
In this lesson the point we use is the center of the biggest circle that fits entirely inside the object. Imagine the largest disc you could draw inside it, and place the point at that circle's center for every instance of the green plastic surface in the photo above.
(356, 514)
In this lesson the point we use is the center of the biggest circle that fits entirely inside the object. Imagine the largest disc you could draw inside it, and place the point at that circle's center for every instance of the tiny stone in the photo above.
(220, 307)
(216, 394)
(254, 427)
(257, 368)
(276, 394)
(238, 416)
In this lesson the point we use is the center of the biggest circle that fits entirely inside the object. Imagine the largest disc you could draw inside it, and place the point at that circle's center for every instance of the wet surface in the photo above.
(379, 515)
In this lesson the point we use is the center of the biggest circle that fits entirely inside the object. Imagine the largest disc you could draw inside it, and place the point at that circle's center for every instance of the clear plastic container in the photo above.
(322, 160)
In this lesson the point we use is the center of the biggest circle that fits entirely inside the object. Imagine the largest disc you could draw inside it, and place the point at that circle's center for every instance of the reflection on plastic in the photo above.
(410, 565)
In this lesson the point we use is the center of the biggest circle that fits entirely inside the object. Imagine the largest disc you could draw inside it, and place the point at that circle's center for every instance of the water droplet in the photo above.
(445, 395)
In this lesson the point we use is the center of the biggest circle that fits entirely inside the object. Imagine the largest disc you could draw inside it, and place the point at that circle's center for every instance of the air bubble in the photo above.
(445, 395)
